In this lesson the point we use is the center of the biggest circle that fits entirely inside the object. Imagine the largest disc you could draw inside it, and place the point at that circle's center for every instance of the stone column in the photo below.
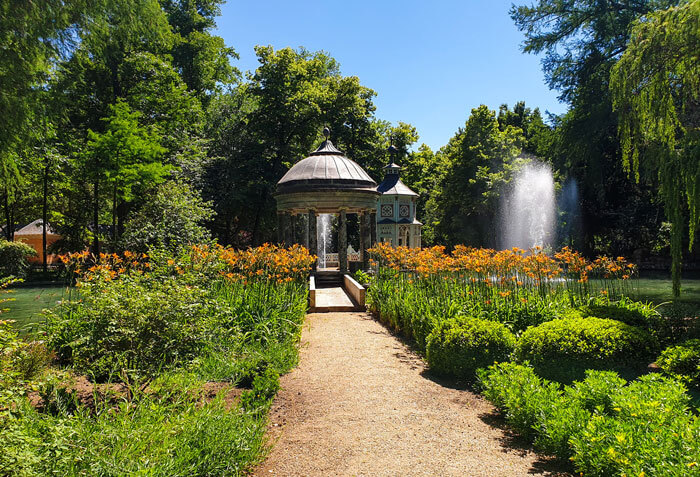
(343, 242)
(365, 238)
(288, 229)
(281, 227)
(311, 233)
(304, 224)
(373, 228)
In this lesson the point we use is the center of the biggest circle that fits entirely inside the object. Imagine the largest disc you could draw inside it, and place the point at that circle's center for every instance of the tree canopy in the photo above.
(656, 90)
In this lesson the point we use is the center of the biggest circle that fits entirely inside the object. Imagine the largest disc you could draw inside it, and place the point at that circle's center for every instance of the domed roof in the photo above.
(326, 168)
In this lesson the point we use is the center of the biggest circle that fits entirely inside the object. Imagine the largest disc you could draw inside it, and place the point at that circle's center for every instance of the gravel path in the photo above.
(361, 404)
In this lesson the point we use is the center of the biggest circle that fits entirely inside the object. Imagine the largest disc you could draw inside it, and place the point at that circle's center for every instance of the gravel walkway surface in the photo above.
(361, 404)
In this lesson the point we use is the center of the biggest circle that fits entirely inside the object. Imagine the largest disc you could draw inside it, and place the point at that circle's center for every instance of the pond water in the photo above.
(29, 301)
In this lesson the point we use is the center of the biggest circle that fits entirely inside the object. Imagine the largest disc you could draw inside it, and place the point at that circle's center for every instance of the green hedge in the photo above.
(14, 258)
(682, 362)
(634, 313)
(606, 428)
(563, 349)
(459, 347)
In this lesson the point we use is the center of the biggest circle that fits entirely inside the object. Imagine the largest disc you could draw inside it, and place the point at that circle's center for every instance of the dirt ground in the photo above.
(361, 403)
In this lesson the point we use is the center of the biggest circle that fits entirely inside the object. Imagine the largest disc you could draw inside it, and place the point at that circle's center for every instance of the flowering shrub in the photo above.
(517, 287)
(141, 314)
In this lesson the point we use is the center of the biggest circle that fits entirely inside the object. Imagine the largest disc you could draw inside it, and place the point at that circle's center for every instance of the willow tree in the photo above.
(656, 92)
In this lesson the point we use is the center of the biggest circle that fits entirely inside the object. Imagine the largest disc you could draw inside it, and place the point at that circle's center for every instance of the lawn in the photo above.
(29, 301)
(658, 290)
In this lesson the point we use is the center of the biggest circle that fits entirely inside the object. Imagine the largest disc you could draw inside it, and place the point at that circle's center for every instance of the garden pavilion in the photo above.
(326, 182)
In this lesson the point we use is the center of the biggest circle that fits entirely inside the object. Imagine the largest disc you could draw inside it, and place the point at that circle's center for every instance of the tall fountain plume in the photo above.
(323, 238)
(528, 209)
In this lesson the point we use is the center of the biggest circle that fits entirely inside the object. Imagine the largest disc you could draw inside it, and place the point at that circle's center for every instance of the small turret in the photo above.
(396, 210)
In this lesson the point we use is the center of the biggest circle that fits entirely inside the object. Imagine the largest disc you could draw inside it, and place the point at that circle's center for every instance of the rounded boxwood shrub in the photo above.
(563, 349)
(635, 313)
(682, 362)
(459, 347)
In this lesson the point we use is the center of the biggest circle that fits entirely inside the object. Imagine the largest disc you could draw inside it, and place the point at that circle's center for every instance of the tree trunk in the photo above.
(96, 218)
(114, 216)
(44, 213)
(8, 216)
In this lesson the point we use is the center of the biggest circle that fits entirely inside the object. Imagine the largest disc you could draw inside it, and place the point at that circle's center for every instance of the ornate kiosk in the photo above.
(326, 182)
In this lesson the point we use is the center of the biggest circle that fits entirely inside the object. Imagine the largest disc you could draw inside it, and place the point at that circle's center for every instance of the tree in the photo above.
(202, 59)
(126, 156)
(656, 90)
(262, 127)
(172, 218)
(33, 35)
(579, 37)
(536, 133)
(480, 160)
(581, 41)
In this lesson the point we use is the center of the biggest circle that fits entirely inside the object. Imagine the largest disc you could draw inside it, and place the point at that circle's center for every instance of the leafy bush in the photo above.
(459, 347)
(596, 390)
(634, 313)
(650, 431)
(563, 349)
(265, 386)
(603, 426)
(519, 393)
(172, 219)
(682, 362)
(139, 326)
(20, 362)
(14, 258)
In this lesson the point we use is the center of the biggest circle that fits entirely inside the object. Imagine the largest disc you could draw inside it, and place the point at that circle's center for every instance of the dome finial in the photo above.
(326, 132)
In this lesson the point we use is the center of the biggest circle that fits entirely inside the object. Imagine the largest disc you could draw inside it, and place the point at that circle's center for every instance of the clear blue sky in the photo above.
(429, 62)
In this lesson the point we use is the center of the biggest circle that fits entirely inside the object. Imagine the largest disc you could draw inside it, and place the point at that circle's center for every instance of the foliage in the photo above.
(634, 313)
(162, 325)
(177, 434)
(202, 58)
(603, 426)
(362, 277)
(459, 347)
(566, 347)
(682, 362)
(13, 258)
(172, 219)
(134, 324)
(138, 315)
(127, 155)
(20, 362)
(482, 158)
(656, 91)
(511, 286)
(650, 431)
(519, 392)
